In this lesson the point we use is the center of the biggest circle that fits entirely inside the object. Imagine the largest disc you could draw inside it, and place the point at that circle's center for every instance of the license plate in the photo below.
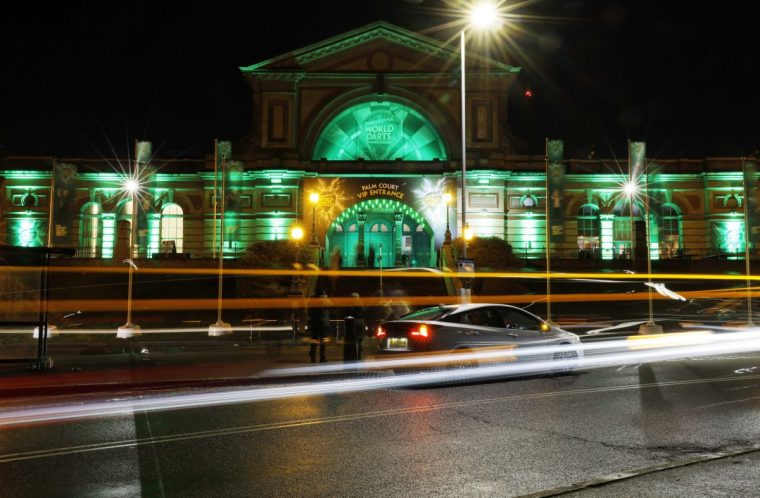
(398, 342)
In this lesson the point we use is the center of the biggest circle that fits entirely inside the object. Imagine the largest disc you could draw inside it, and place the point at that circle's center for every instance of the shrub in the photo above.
(489, 253)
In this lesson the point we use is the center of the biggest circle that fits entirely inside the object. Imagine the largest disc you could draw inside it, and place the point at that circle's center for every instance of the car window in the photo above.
(514, 319)
(482, 317)
(427, 314)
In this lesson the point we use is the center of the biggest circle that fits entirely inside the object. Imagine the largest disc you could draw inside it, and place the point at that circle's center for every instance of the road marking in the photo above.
(130, 443)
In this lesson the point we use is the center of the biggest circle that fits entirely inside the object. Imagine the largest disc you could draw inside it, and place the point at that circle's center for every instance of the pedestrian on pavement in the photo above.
(360, 325)
(319, 326)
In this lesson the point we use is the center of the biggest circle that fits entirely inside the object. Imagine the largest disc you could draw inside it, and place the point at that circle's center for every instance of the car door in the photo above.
(525, 331)
(467, 329)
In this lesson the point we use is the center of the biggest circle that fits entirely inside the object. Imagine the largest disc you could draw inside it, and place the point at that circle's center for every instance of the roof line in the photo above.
(372, 30)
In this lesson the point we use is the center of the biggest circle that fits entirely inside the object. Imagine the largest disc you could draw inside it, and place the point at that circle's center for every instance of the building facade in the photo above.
(357, 139)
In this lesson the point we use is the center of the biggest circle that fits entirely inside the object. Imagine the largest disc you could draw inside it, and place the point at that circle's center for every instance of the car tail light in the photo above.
(380, 332)
(422, 331)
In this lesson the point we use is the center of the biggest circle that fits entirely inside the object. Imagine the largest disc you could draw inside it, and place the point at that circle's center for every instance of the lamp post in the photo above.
(132, 187)
(483, 16)
(447, 200)
(296, 233)
(650, 327)
(630, 188)
(314, 199)
(220, 327)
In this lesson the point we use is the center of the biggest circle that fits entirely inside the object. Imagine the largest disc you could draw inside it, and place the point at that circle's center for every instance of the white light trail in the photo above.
(606, 354)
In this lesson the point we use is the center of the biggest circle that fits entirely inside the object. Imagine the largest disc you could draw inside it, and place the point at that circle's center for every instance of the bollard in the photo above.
(349, 340)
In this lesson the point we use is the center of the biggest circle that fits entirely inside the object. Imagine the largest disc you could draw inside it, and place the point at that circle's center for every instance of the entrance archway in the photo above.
(381, 231)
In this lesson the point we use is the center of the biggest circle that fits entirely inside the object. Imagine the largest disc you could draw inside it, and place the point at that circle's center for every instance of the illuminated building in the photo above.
(370, 121)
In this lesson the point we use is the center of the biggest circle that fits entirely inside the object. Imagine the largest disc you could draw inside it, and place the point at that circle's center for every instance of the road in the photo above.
(686, 422)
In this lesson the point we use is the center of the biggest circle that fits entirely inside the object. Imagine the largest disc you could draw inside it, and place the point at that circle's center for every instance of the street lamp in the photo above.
(630, 188)
(314, 199)
(483, 16)
(296, 233)
(447, 200)
(650, 327)
(467, 234)
(220, 327)
(131, 186)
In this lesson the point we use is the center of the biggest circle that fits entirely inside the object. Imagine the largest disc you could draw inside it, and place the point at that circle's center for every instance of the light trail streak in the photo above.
(719, 345)
(141, 305)
(180, 330)
(377, 273)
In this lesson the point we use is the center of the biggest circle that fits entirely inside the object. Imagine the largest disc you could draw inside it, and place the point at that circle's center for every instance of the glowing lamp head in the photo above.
(447, 198)
(296, 233)
(131, 185)
(629, 188)
(484, 16)
(314, 197)
(467, 233)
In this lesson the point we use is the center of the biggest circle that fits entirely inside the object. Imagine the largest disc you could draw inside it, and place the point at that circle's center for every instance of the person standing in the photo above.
(371, 257)
(360, 325)
(319, 326)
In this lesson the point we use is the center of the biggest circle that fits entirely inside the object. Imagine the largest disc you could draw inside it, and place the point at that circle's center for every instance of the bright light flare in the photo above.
(314, 197)
(131, 185)
(296, 233)
(630, 188)
(468, 233)
(484, 16)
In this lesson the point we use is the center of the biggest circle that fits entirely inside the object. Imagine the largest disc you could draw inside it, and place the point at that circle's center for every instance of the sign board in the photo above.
(466, 265)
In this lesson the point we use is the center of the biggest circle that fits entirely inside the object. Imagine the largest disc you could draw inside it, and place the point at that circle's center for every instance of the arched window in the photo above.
(380, 131)
(589, 226)
(90, 231)
(378, 227)
(670, 230)
(172, 228)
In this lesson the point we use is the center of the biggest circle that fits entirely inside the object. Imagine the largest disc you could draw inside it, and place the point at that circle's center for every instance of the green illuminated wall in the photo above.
(380, 131)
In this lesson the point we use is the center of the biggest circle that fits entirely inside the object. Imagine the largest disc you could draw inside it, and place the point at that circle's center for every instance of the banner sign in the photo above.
(749, 169)
(555, 186)
(64, 191)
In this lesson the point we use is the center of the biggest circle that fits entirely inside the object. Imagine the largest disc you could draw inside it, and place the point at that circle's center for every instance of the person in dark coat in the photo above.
(360, 324)
(371, 257)
(319, 326)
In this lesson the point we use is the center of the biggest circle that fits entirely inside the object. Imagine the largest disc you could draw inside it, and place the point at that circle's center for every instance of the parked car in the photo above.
(467, 327)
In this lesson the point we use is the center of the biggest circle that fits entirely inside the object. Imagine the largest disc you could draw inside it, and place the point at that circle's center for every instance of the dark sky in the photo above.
(88, 78)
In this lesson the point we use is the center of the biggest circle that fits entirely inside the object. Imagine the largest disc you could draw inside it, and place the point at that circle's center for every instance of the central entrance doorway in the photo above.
(381, 232)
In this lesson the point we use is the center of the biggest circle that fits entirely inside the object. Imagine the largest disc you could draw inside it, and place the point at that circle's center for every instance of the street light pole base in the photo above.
(219, 329)
(465, 295)
(128, 330)
(650, 328)
(52, 331)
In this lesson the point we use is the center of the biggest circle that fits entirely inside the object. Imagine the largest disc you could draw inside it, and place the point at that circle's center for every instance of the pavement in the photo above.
(163, 367)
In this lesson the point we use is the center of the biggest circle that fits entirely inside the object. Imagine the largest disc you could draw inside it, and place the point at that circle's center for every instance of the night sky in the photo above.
(88, 78)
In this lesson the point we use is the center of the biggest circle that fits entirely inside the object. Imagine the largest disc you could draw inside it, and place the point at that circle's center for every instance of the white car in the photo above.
(468, 327)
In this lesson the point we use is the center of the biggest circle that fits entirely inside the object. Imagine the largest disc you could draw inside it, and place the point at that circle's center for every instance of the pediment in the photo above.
(377, 47)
